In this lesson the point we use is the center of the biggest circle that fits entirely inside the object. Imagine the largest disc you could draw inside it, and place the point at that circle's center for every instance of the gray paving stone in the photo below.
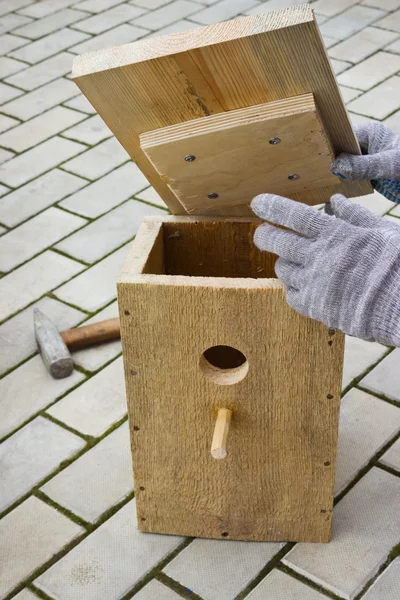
(150, 195)
(362, 44)
(270, 5)
(108, 232)
(43, 72)
(110, 18)
(8, 66)
(2, 230)
(229, 565)
(339, 65)
(12, 21)
(155, 589)
(39, 128)
(280, 586)
(53, 22)
(39, 159)
(17, 339)
(359, 355)
(392, 21)
(27, 390)
(393, 122)
(385, 378)
(366, 523)
(366, 425)
(45, 7)
(329, 8)
(3, 190)
(115, 557)
(25, 595)
(80, 103)
(349, 93)
(42, 99)
(371, 71)
(114, 37)
(358, 119)
(183, 25)
(94, 357)
(91, 131)
(391, 458)
(5, 155)
(29, 536)
(97, 480)
(99, 160)
(95, 405)
(96, 287)
(107, 192)
(385, 4)
(25, 458)
(9, 42)
(351, 21)
(379, 102)
(12, 5)
(97, 6)
(33, 279)
(167, 14)
(149, 4)
(7, 93)
(394, 47)
(222, 11)
(37, 195)
(49, 45)
(387, 586)
(36, 235)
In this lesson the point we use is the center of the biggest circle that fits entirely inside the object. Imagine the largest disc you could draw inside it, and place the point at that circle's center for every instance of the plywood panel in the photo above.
(231, 159)
(163, 81)
(276, 482)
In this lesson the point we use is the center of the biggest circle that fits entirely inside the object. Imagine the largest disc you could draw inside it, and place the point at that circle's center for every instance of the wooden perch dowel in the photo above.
(218, 446)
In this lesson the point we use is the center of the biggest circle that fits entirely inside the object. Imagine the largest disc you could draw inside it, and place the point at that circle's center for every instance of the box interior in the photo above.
(209, 249)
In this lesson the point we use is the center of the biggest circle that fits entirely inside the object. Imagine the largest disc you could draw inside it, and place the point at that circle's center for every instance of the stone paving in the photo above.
(71, 202)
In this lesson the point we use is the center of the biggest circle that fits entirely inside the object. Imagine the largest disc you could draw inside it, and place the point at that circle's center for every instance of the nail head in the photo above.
(189, 158)
(212, 195)
(293, 176)
(274, 141)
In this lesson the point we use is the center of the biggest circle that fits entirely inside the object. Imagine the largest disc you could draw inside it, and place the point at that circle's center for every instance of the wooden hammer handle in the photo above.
(80, 337)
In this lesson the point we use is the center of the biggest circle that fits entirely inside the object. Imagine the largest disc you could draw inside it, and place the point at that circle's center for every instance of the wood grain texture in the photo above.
(159, 82)
(234, 159)
(276, 482)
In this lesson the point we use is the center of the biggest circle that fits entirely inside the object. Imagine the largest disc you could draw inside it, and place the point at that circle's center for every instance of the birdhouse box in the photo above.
(233, 397)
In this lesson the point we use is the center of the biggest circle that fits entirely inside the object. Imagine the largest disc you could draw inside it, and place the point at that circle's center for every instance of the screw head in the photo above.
(274, 141)
(293, 176)
(212, 195)
(189, 158)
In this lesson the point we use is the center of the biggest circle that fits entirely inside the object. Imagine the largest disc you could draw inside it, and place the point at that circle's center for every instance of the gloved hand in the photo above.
(344, 267)
(379, 162)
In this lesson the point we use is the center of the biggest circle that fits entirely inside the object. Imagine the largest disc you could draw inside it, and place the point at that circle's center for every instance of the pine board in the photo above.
(164, 81)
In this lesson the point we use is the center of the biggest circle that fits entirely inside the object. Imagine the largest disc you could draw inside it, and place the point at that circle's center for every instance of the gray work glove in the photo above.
(379, 162)
(344, 267)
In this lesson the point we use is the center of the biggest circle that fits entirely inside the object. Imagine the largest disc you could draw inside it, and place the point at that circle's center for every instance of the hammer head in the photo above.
(55, 353)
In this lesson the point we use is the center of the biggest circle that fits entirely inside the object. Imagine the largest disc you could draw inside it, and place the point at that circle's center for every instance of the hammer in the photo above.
(55, 346)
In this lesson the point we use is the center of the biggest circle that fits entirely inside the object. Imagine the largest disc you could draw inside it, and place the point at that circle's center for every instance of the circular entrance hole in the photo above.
(224, 365)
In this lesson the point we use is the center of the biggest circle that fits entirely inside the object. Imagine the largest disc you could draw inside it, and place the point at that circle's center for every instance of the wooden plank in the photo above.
(159, 82)
(232, 160)
(276, 482)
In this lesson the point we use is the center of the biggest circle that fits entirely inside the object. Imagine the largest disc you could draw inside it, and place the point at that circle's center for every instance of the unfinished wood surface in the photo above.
(220, 437)
(276, 482)
(279, 146)
(159, 82)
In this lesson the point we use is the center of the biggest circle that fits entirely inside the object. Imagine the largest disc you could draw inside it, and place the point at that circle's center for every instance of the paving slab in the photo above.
(100, 280)
(94, 357)
(375, 202)
(222, 11)
(7, 122)
(108, 191)
(41, 27)
(154, 590)
(25, 595)
(97, 480)
(97, 404)
(108, 19)
(99, 160)
(98, 6)
(36, 235)
(391, 458)
(34, 279)
(49, 45)
(108, 232)
(359, 356)
(109, 562)
(12, 5)
(351, 21)
(28, 389)
(37, 195)
(280, 586)
(150, 195)
(366, 425)
(366, 523)
(25, 458)
(80, 103)
(371, 71)
(379, 102)
(387, 586)
(167, 14)
(8, 93)
(91, 131)
(385, 377)
(45, 7)
(17, 337)
(43, 72)
(29, 105)
(30, 535)
(220, 569)
(8, 66)
(12, 21)
(362, 44)
(114, 37)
